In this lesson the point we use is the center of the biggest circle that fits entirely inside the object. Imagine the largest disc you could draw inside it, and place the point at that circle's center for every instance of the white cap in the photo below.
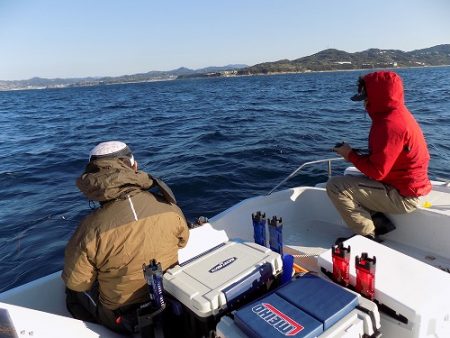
(111, 149)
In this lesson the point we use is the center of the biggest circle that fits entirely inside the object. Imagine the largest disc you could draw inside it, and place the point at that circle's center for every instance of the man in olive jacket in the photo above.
(131, 227)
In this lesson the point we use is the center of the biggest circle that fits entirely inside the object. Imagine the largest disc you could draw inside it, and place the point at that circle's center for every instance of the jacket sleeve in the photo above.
(79, 271)
(385, 145)
(183, 233)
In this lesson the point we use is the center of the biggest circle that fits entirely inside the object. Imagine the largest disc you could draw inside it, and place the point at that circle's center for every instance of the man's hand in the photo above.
(343, 150)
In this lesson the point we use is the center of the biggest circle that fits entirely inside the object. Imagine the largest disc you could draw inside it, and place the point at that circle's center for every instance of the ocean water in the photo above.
(214, 141)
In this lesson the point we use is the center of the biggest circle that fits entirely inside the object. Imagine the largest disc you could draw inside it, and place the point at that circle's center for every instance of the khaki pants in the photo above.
(357, 197)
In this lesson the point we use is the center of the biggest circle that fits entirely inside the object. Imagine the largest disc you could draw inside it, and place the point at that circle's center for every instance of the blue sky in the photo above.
(79, 38)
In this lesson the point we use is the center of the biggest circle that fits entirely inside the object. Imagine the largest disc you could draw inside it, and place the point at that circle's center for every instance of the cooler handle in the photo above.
(248, 283)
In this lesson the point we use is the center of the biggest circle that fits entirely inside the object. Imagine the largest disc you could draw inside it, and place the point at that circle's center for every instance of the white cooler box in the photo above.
(412, 297)
(201, 290)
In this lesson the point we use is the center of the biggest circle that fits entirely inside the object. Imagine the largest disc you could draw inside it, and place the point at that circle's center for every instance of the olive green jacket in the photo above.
(131, 227)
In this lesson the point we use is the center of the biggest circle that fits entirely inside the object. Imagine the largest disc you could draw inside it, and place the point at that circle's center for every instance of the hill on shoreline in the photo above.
(333, 59)
(326, 60)
(43, 83)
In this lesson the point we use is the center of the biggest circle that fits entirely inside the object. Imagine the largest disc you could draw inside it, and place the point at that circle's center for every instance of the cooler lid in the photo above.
(321, 299)
(226, 263)
(273, 316)
(201, 240)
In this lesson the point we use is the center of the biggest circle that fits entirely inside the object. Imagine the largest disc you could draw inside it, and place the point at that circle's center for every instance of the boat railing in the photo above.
(445, 181)
(297, 171)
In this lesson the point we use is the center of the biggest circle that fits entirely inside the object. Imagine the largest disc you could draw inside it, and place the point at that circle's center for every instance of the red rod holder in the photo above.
(341, 260)
(365, 275)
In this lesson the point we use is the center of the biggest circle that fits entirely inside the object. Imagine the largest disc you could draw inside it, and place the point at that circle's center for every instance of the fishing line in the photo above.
(439, 152)
(445, 157)
(61, 218)
(92, 205)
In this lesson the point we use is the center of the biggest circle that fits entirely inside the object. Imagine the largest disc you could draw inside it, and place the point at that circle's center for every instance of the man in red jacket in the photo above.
(396, 167)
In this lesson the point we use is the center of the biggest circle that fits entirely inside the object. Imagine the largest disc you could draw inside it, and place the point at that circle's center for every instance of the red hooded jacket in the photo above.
(398, 153)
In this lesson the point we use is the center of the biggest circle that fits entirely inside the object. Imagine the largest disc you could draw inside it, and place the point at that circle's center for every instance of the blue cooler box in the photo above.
(304, 308)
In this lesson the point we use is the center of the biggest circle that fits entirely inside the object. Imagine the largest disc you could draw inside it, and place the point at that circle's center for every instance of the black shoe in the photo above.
(339, 240)
(383, 225)
(374, 238)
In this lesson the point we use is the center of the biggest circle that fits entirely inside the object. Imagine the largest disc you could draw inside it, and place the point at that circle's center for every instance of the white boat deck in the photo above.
(322, 235)
(28, 322)
(311, 224)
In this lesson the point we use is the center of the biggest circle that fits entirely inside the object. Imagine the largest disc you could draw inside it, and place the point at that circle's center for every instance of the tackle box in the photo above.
(412, 296)
(307, 307)
(202, 289)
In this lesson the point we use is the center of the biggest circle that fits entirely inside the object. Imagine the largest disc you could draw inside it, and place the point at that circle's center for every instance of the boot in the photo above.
(371, 237)
(383, 225)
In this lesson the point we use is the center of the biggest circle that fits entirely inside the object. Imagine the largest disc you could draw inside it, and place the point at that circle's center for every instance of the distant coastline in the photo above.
(344, 70)
(328, 60)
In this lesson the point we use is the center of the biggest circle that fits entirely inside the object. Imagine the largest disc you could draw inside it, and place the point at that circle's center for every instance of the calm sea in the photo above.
(214, 141)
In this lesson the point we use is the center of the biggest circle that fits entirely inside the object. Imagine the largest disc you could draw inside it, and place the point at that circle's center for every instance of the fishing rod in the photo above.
(291, 175)
(329, 160)
(445, 157)
(439, 152)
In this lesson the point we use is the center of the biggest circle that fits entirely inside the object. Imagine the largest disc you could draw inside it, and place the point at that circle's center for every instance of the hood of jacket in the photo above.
(110, 179)
(384, 92)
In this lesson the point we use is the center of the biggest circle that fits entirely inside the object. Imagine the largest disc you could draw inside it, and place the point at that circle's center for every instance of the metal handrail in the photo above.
(446, 181)
(294, 173)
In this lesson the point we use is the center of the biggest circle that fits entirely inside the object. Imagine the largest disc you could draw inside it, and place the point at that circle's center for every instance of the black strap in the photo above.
(376, 333)
(126, 317)
(165, 190)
